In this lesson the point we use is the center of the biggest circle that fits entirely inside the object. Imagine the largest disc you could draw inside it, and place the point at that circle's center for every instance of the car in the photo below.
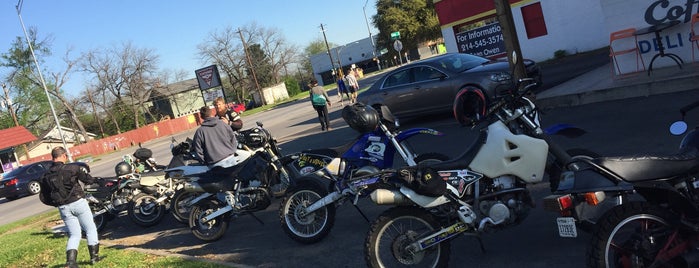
(236, 107)
(429, 86)
(24, 180)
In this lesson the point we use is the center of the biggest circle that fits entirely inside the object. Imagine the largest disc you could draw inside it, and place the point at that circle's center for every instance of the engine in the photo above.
(503, 202)
(253, 199)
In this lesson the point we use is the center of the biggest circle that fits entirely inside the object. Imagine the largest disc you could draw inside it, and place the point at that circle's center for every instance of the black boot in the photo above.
(71, 256)
(94, 253)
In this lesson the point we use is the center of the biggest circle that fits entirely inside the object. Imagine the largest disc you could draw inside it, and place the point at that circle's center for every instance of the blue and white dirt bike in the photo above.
(307, 213)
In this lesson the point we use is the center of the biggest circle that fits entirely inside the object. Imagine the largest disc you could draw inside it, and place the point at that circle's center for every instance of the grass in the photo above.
(31, 243)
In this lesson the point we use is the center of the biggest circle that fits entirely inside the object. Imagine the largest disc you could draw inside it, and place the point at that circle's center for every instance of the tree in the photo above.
(128, 74)
(262, 65)
(314, 47)
(416, 20)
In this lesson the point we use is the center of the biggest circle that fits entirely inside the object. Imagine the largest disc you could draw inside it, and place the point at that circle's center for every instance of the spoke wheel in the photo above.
(388, 243)
(301, 227)
(178, 206)
(211, 230)
(637, 235)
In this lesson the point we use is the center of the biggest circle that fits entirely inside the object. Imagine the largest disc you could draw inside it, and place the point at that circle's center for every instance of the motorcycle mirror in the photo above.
(678, 128)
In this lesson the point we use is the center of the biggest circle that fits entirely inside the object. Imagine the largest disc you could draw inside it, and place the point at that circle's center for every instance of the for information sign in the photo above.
(486, 41)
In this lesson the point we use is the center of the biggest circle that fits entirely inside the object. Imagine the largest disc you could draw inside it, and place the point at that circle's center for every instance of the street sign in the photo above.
(395, 35)
(398, 45)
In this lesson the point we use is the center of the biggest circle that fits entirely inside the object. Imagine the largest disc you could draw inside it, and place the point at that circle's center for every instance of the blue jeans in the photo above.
(77, 216)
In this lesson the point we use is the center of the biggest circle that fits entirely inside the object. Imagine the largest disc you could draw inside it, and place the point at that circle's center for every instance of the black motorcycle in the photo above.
(654, 218)
(108, 197)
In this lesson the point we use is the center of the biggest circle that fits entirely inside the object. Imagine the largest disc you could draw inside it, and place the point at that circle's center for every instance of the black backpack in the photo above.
(56, 188)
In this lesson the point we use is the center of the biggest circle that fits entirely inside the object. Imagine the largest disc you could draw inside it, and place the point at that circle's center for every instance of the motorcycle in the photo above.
(307, 213)
(250, 141)
(142, 160)
(653, 221)
(483, 190)
(108, 197)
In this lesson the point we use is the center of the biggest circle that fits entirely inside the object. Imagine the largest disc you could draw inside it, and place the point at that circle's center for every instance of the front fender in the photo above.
(404, 135)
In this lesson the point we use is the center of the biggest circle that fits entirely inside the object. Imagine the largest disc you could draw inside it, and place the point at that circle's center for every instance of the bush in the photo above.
(559, 54)
(292, 86)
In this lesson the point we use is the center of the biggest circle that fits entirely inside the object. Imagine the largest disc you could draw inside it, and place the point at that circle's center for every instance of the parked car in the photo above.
(236, 107)
(429, 86)
(24, 180)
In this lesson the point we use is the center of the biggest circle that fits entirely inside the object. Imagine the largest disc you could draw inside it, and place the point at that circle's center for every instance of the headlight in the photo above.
(500, 77)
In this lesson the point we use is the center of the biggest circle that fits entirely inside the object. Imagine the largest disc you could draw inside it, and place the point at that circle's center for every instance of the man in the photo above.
(352, 85)
(228, 116)
(75, 211)
(214, 141)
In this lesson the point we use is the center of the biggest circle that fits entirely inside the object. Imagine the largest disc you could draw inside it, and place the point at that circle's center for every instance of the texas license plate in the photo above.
(566, 227)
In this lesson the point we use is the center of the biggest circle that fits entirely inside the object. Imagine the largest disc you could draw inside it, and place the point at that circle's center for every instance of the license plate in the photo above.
(566, 227)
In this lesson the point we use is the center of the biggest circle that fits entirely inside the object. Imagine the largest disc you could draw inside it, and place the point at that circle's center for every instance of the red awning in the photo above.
(15, 136)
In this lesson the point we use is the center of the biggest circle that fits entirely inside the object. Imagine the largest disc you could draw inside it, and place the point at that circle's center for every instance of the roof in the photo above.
(178, 87)
(14, 136)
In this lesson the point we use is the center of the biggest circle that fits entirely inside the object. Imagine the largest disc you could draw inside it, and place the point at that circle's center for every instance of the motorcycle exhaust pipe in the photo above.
(389, 197)
(193, 187)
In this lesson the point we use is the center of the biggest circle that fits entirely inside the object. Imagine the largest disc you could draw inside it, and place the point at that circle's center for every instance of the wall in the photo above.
(127, 139)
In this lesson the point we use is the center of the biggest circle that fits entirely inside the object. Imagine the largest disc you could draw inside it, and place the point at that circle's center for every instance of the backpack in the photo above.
(318, 100)
(55, 188)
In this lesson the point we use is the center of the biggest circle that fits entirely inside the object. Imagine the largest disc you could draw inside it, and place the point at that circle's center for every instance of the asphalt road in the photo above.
(631, 126)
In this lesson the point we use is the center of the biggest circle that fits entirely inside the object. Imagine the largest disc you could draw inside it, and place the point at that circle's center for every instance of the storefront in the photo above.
(547, 26)
(12, 137)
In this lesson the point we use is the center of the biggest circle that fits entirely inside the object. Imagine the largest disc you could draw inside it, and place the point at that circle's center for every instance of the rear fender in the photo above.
(313, 180)
(661, 193)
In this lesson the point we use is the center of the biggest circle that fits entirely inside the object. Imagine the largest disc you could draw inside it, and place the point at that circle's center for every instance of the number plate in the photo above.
(566, 227)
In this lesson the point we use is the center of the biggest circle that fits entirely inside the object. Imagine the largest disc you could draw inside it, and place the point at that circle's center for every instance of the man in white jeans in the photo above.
(75, 212)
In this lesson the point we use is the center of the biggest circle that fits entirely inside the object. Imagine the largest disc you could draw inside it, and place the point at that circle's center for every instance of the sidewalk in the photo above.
(598, 85)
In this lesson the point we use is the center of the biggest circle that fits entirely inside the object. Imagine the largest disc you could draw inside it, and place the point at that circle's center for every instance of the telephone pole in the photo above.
(504, 15)
(252, 69)
(332, 63)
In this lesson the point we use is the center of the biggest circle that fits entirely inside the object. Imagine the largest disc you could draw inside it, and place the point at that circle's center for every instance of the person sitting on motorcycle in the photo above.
(228, 116)
(214, 141)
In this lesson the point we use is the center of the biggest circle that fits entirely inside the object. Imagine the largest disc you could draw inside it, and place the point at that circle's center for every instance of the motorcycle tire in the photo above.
(178, 205)
(212, 230)
(311, 228)
(394, 229)
(145, 211)
(635, 233)
(429, 158)
(100, 220)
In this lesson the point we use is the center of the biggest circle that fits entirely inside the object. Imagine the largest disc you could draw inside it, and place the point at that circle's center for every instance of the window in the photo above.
(425, 73)
(534, 21)
(399, 78)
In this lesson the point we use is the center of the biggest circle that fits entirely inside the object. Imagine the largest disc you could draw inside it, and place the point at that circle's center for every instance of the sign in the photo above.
(211, 94)
(398, 45)
(486, 41)
(208, 77)
(395, 35)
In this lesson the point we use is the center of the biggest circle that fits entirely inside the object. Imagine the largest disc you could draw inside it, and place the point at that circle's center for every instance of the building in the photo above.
(52, 139)
(546, 26)
(12, 137)
(358, 54)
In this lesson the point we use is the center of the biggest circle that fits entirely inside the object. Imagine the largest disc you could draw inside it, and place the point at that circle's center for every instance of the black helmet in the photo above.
(469, 105)
(122, 169)
(690, 141)
(360, 117)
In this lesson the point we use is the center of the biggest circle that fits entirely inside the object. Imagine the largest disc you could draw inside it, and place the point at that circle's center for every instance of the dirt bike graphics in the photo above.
(307, 213)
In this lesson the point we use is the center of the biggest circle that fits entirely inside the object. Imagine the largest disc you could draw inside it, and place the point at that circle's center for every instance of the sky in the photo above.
(173, 28)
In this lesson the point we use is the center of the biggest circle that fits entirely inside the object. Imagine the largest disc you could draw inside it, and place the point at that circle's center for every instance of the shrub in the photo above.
(559, 54)
(292, 86)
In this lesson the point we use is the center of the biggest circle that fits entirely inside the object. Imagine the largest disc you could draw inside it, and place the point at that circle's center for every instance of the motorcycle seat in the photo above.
(463, 160)
(332, 152)
(154, 173)
(219, 179)
(644, 167)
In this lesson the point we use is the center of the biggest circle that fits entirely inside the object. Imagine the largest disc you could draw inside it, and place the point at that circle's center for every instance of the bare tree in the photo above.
(128, 73)
(226, 51)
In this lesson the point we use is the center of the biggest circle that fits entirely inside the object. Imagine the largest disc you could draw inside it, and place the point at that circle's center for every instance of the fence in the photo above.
(129, 138)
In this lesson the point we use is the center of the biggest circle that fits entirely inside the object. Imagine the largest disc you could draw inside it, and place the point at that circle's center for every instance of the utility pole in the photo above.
(332, 64)
(373, 51)
(252, 69)
(504, 15)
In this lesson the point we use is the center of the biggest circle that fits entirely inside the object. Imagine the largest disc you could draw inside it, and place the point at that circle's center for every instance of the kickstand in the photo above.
(255, 217)
(480, 241)
(361, 213)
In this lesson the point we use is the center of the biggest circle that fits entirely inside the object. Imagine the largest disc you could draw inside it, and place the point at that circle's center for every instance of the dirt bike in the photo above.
(483, 190)
(250, 141)
(655, 218)
(307, 213)
(241, 189)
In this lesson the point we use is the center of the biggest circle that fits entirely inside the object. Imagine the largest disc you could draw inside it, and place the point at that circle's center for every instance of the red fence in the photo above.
(127, 139)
